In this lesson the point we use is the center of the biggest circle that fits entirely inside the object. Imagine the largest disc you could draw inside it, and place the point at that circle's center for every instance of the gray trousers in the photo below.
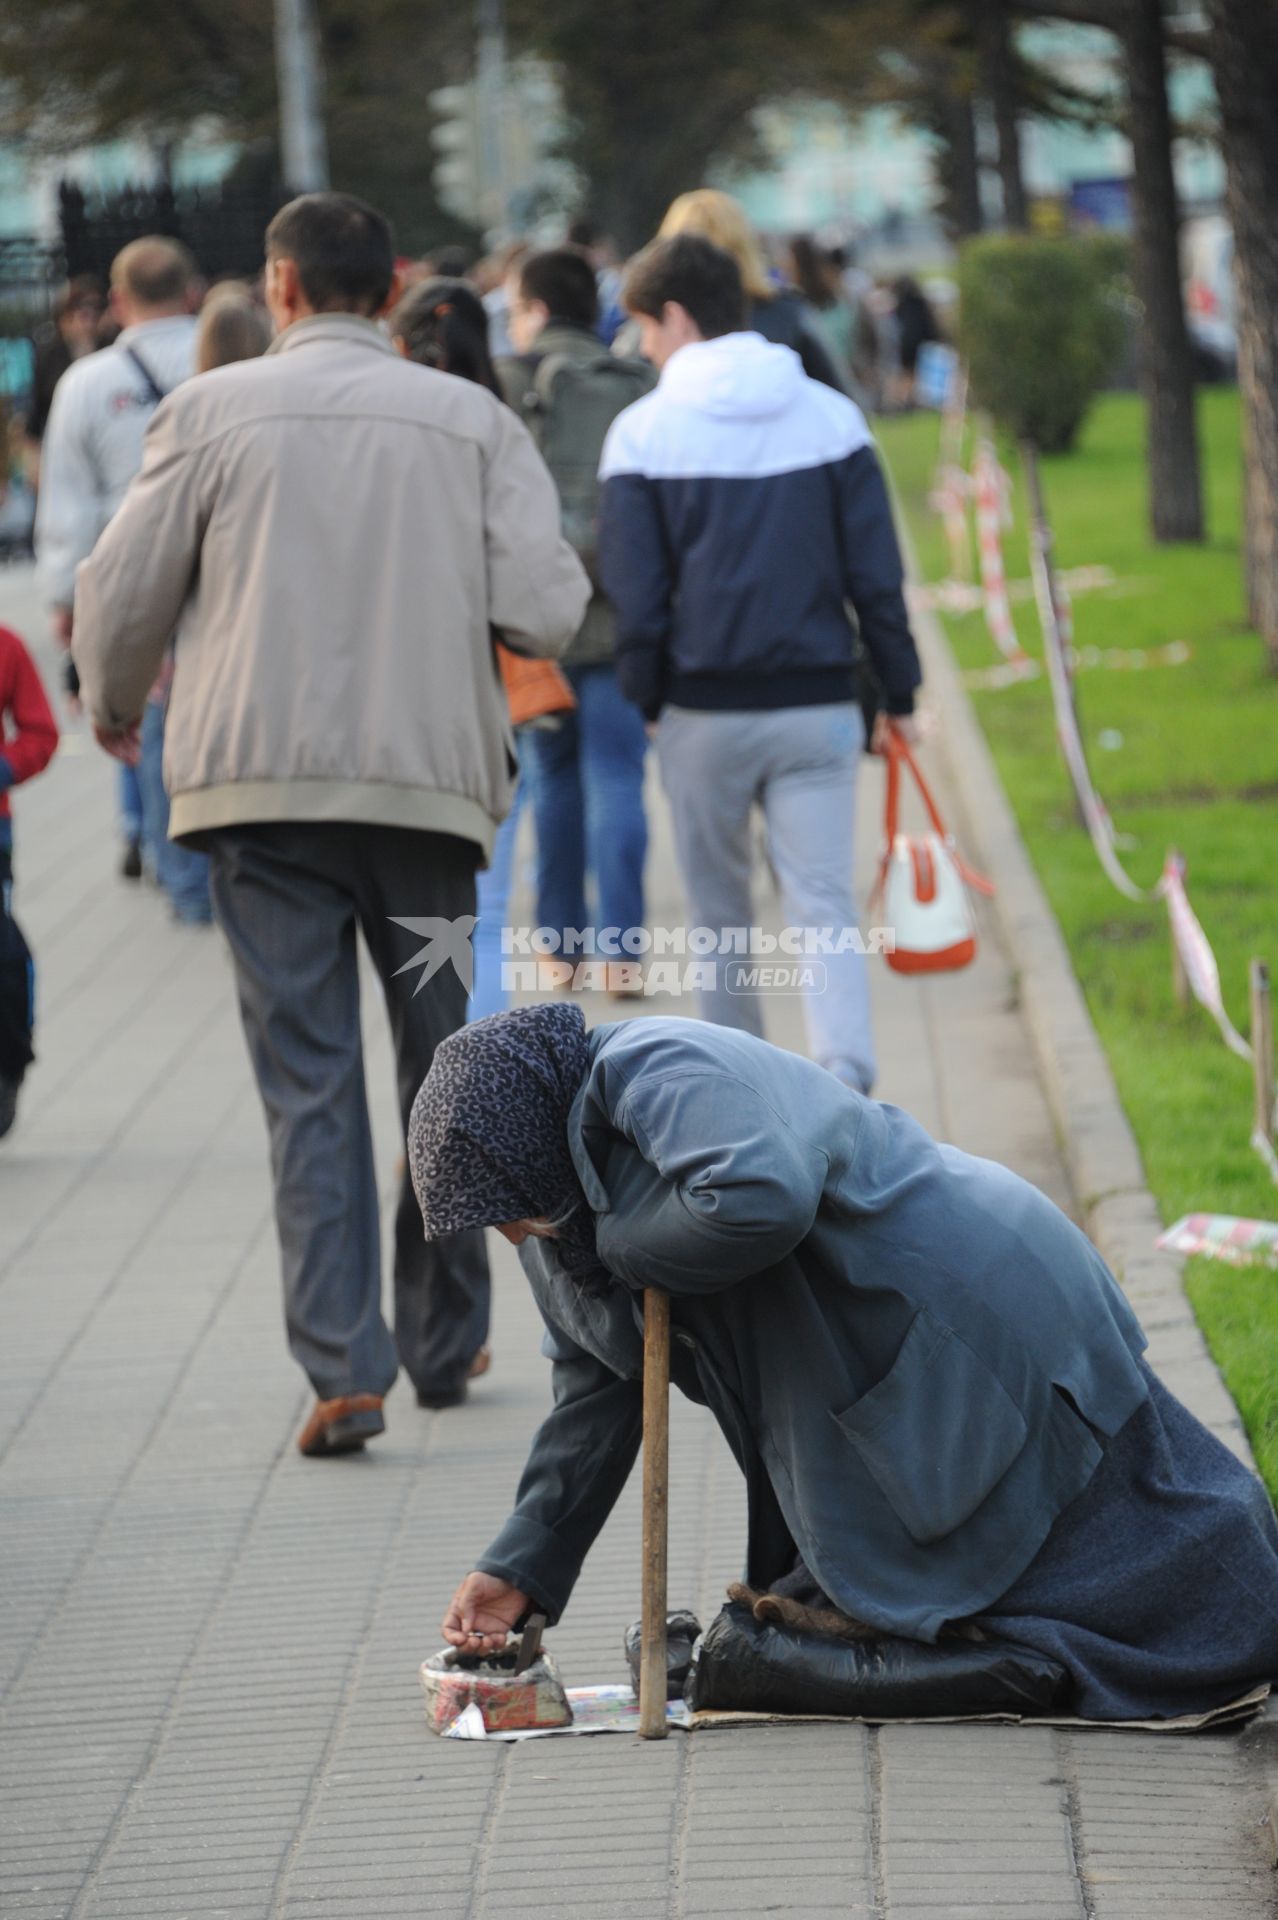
(799, 765)
(289, 897)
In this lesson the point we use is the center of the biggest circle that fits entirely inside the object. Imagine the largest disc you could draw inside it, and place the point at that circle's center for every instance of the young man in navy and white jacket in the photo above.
(743, 512)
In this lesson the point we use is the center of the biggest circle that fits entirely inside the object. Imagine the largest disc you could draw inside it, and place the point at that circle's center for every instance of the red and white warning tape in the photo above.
(1223, 1236)
(1197, 958)
(951, 486)
(1083, 659)
(1203, 977)
(1192, 944)
(949, 497)
(991, 492)
(1264, 1145)
(1095, 816)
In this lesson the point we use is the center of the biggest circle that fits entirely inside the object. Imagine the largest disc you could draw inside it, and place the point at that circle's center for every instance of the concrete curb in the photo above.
(1097, 1144)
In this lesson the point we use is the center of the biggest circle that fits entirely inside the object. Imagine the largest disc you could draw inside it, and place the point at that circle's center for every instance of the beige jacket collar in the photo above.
(332, 326)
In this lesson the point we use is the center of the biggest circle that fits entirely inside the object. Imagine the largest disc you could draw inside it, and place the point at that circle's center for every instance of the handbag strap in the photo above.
(899, 755)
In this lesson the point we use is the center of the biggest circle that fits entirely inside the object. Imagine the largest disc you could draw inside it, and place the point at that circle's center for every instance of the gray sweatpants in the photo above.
(290, 897)
(799, 765)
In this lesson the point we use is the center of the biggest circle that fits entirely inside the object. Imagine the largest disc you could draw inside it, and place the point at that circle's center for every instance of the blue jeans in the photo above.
(183, 873)
(128, 789)
(586, 784)
(492, 901)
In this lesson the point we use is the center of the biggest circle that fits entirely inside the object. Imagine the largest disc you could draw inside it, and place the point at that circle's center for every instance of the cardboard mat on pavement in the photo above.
(616, 1710)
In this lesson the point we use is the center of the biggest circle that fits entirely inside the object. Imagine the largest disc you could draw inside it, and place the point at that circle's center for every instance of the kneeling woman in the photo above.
(927, 1374)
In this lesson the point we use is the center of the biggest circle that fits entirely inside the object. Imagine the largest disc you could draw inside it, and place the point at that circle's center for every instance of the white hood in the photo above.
(739, 375)
(737, 408)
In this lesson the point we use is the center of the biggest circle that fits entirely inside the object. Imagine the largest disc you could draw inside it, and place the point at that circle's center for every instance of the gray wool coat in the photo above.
(915, 1357)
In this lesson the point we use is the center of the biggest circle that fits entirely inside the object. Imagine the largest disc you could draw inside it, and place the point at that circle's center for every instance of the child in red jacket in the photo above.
(28, 736)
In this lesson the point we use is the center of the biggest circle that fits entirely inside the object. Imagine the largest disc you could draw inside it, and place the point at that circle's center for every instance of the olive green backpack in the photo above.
(569, 408)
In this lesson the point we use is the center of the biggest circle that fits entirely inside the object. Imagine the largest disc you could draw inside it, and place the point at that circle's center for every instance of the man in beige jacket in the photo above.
(335, 534)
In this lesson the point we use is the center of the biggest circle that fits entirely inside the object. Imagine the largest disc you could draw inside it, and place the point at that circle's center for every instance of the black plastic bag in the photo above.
(682, 1629)
(757, 1666)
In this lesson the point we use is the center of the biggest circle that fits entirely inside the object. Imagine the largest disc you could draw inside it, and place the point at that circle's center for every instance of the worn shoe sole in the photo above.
(341, 1426)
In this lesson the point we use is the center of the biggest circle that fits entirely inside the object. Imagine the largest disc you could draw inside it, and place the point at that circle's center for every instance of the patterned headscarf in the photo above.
(488, 1134)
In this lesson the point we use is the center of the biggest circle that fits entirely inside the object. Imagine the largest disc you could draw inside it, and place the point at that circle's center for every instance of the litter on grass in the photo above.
(1117, 659)
(965, 596)
(1223, 1236)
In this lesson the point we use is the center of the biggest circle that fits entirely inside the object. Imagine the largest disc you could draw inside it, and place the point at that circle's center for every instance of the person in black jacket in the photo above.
(916, 326)
(743, 510)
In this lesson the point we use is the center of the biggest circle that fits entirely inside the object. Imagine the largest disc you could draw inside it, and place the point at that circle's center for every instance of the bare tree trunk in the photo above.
(1175, 486)
(960, 167)
(1251, 570)
(997, 77)
(1244, 52)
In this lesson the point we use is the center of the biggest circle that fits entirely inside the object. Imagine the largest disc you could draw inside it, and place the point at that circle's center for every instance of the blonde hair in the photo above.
(232, 327)
(719, 218)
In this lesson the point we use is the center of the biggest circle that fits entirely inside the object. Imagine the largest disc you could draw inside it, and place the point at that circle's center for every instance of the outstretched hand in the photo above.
(482, 1612)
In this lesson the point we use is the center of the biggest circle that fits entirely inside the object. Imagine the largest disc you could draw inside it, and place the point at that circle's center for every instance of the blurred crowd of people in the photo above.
(582, 758)
(284, 566)
(852, 329)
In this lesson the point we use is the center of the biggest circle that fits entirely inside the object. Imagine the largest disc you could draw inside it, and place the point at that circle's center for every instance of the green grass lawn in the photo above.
(1197, 768)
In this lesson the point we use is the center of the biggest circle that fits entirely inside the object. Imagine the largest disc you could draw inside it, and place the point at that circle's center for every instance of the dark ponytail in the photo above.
(443, 324)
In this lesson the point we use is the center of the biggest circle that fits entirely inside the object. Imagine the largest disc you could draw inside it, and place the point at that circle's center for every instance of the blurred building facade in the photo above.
(870, 175)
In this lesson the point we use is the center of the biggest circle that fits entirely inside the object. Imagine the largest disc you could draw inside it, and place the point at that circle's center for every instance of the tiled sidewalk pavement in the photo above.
(208, 1646)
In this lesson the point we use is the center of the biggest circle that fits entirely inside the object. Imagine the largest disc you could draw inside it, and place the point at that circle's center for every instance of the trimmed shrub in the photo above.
(1040, 326)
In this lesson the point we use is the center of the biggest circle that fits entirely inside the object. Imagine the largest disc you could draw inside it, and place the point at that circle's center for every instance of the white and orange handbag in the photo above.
(921, 893)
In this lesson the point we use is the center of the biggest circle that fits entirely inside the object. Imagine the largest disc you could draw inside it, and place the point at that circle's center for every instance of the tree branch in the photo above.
(1107, 14)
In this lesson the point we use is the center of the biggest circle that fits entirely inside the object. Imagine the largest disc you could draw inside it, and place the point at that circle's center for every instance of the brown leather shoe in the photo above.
(342, 1425)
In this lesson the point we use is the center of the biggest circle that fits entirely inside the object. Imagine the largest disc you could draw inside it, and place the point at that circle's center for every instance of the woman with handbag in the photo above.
(932, 1383)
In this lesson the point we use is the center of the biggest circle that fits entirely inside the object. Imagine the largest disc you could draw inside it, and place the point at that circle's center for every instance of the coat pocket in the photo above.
(937, 1433)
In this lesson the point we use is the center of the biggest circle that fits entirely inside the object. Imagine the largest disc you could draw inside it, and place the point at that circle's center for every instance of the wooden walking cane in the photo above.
(656, 1500)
